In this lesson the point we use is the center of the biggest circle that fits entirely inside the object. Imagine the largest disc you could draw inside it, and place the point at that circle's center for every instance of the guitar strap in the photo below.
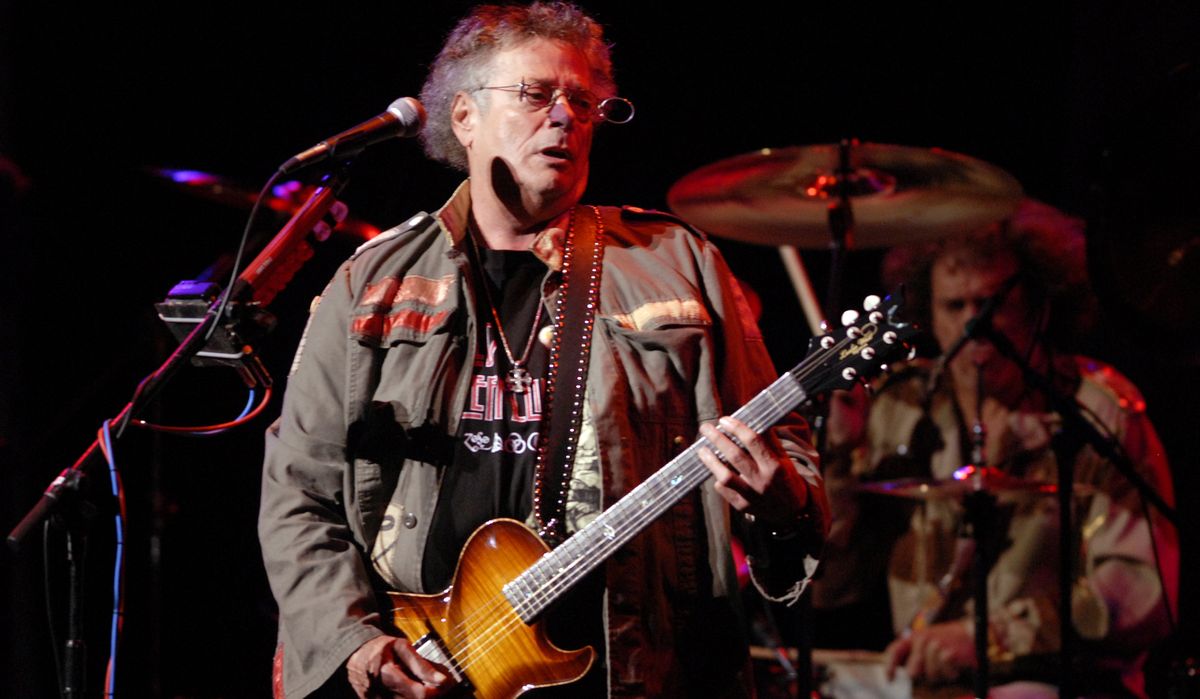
(574, 315)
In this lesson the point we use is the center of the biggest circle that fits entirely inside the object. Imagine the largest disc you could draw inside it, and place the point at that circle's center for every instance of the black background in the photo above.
(1091, 105)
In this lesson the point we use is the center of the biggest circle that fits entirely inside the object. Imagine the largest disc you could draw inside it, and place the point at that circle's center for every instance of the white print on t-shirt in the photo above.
(486, 401)
(495, 443)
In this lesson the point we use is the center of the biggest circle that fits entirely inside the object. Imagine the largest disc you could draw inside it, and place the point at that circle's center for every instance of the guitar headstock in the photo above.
(860, 349)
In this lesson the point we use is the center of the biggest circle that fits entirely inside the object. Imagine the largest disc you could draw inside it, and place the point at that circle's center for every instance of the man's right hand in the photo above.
(387, 666)
(940, 653)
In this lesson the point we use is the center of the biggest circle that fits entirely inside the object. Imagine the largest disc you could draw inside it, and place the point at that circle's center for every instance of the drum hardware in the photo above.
(838, 196)
(285, 198)
(965, 480)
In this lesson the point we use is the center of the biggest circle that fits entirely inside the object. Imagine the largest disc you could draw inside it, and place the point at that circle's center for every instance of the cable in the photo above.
(133, 404)
(110, 675)
(206, 430)
(58, 670)
(237, 260)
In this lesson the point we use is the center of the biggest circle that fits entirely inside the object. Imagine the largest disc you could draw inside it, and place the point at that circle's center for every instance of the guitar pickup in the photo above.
(432, 648)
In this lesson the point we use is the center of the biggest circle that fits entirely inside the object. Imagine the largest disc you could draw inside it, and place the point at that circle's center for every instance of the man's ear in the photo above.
(463, 115)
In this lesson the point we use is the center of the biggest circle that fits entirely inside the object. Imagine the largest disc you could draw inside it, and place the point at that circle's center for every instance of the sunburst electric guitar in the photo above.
(484, 627)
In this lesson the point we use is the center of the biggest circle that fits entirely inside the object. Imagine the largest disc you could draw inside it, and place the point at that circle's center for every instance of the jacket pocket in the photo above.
(662, 362)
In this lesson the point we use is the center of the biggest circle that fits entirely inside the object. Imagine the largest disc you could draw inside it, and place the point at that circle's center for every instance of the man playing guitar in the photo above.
(417, 409)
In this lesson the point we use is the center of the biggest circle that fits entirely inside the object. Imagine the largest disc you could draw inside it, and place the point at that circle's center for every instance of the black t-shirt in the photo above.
(496, 448)
(496, 452)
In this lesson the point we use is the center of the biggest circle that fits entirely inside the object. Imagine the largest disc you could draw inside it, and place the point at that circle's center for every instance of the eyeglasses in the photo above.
(587, 107)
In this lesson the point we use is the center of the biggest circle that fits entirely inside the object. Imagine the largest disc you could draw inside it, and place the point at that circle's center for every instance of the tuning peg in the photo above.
(849, 373)
(890, 337)
(868, 353)
(876, 317)
(853, 333)
(871, 302)
(827, 342)
(849, 317)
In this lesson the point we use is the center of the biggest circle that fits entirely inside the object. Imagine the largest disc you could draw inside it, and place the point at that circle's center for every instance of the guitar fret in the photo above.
(558, 570)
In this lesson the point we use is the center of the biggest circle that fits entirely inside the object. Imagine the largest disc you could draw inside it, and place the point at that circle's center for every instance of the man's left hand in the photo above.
(753, 473)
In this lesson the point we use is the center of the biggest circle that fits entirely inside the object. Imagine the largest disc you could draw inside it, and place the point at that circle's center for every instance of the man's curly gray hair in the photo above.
(463, 63)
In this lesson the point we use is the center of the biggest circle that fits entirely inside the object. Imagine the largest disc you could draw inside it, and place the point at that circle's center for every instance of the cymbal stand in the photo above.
(841, 226)
(803, 286)
(980, 506)
(841, 229)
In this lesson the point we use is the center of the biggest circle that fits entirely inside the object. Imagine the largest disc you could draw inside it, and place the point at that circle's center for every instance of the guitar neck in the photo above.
(559, 570)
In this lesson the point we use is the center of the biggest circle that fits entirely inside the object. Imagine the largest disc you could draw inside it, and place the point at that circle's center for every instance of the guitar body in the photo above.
(473, 629)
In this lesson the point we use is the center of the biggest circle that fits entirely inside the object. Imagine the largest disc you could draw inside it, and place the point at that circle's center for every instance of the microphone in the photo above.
(980, 324)
(403, 119)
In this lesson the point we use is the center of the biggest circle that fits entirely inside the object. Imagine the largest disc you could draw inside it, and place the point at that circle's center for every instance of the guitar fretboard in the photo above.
(558, 570)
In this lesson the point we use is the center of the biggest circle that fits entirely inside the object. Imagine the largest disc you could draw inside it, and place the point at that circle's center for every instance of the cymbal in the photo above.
(285, 198)
(898, 194)
(966, 480)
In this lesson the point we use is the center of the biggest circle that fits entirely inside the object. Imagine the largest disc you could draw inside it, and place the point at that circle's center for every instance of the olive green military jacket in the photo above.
(373, 405)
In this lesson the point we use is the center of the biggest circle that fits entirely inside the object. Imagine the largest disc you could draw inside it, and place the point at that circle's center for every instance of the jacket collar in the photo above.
(548, 246)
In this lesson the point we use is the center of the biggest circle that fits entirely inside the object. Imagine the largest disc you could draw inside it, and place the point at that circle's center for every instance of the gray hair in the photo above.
(462, 64)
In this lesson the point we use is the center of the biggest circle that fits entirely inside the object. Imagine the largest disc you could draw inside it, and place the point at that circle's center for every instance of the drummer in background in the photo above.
(920, 425)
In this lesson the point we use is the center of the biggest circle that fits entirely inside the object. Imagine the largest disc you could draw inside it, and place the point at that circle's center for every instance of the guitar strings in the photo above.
(563, 578)
(472, 649)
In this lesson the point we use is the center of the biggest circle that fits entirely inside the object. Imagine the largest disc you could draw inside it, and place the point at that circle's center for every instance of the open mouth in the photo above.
(557, 153)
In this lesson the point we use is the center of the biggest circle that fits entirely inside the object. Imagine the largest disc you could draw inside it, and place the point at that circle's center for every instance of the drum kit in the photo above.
(855, 194)
(838, 197)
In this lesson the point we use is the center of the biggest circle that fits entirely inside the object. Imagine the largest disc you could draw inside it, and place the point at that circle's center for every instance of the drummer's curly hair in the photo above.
(462, 65)
(1051, 255)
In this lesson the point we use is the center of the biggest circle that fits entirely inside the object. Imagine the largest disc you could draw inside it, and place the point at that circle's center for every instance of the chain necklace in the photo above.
(518, 379)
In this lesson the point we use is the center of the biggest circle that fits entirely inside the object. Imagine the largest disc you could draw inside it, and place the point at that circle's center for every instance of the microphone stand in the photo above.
(67, 487)
(1079, 428)
(841, 228)
(979, 505)
(256, 286)
(1073, 419)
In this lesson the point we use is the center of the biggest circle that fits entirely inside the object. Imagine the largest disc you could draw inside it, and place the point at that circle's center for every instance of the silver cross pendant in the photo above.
(518, 380)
